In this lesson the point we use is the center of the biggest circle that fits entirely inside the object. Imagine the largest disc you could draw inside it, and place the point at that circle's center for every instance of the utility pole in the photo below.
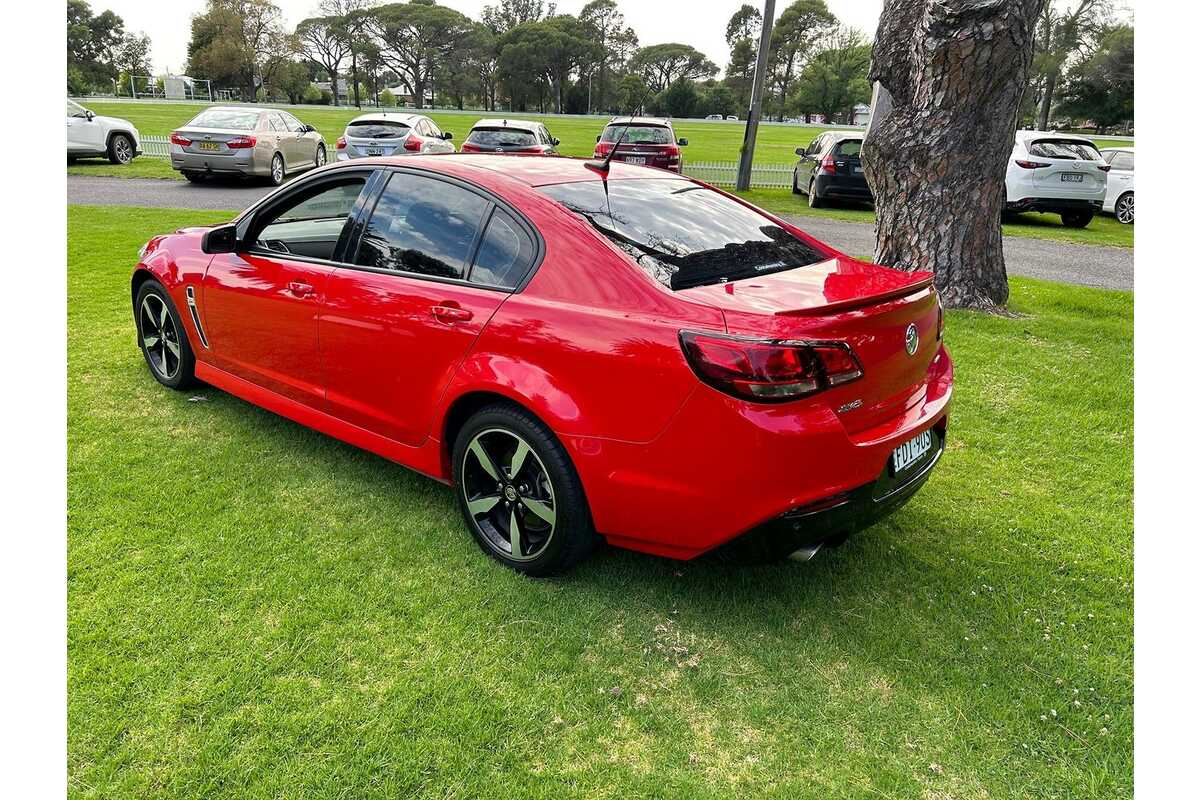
(756, 93)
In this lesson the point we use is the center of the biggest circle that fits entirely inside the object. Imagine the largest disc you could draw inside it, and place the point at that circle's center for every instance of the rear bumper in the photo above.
(239, 163)
(1055, 205)
(724, 468)
(844, 188)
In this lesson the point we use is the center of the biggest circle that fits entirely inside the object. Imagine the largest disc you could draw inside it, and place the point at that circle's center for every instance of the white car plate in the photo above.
(374, 151)
(635, 160)
(1073, 177)
(857, 170)
(911, 452)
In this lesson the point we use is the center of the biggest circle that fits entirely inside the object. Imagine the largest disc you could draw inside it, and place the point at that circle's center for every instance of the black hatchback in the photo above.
(830, 169)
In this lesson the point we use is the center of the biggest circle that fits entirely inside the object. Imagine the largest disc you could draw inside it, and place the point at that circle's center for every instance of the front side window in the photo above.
(294, 125)
(75, 110)
(684, 235)
(311, 224)
(422, 225)
(228, 118)
(1069, 149)
(638, 134)
(1122, 161)
(505, 253)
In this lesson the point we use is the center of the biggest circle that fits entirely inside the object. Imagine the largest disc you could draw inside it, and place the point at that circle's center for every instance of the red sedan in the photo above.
(626, 355)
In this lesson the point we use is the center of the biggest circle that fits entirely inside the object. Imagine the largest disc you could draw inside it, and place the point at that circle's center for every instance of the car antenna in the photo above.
(602, 166)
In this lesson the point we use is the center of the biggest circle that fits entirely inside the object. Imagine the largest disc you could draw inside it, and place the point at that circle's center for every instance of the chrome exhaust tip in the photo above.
(805, 553)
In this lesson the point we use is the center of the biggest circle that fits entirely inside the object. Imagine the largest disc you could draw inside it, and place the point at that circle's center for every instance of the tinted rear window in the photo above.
(376, 130)
(638, 134)
(848, 148)
(1064, 148)
(230, 118)
(501, 137)
(684, 235)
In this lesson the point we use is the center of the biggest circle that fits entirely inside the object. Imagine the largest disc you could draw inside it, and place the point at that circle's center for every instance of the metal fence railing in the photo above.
(724, 173)
(156, 147)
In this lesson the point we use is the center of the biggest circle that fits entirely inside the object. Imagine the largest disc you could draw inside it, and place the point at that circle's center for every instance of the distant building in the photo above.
(862, 113)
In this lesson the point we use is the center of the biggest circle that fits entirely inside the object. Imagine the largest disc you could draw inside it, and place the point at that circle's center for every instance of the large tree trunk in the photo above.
(1047, 99)
(948, 81)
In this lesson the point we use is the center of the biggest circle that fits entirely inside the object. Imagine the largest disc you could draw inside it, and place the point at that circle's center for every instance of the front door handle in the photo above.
(450, 314)
(300, 289)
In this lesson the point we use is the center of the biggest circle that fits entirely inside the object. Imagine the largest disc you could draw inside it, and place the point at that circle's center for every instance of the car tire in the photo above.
(120, 149)
(1076, 219)
(278, 170)
(194, 177)
(320, 158)
(492, 499)
(1123, 209)
(795, 184)
(158, 326)
(813, 200)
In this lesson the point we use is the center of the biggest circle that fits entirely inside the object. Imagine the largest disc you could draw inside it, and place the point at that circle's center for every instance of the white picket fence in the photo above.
(156, 147)
(724, 173)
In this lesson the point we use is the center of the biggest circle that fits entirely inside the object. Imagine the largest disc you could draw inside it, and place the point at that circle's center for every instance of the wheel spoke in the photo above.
(482, 505)
(165, 371)
(514, 533)
(540, 509)
(150, 341)
(484, 460)
(172, 346)
(518, 459)
(162, 316)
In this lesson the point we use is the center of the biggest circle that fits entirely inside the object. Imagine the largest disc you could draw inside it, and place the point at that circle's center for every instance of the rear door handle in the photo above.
(450, 314)
(300, 289)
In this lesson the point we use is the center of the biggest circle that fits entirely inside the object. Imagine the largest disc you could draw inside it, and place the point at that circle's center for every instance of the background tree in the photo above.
(630, 93)
(835, 79)
(605, 25)
(508, 14)
(324, 42)
(661, 64)
(414, 39)
(132, 54)
(352, 16)
(290, 80)
(92, 40)
(950, 74)
(716, 98)
(796, 32)
(741, 34)
(550, 49)
(681, 99)
(1061, 35)
(745, 23)
(458, 75)
(1100, 88)
(239, 42)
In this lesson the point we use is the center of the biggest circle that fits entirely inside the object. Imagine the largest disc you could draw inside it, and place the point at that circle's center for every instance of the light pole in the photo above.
(760, 79)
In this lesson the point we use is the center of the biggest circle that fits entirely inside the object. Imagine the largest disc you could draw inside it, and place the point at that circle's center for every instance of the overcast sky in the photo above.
(700, 23)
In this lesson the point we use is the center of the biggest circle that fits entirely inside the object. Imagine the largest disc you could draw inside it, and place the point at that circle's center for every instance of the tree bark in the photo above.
(1047, 99)
(948, 80)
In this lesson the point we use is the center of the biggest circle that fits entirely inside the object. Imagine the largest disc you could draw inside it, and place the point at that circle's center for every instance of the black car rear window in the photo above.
(1064, 148)
(368, 129)
(501, 137)
(684, 235)
(849, 148)
(638, 134)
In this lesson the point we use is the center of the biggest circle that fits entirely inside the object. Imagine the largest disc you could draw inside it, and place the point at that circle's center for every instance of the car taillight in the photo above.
(413, 143)
(182, 141)
(468, 147)
(672, 153)
(766, 370)
(1031, 164)
(941, 323)
(602, 149)
(827, 165)
(340, 144)
(241, 142)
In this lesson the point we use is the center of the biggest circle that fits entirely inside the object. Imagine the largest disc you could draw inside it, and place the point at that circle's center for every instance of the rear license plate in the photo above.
(911, 452)
(374, 151)
(857, 170)
(1072, 177)
(208, 145)
(636, 160)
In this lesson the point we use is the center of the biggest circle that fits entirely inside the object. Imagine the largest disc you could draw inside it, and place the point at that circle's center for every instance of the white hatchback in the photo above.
(1057, 173)
(1119, 200)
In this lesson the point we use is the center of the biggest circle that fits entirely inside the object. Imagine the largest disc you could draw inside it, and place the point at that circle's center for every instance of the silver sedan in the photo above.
(264, 142)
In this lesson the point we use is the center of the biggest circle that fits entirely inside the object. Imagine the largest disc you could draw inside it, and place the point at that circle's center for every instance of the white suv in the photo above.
(90, 135)
(1058, 173)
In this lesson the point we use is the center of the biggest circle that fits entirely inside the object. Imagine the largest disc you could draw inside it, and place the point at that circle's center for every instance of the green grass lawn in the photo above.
(256, 610)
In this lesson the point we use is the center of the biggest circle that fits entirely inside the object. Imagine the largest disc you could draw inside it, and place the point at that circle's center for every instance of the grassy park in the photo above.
(256, 610)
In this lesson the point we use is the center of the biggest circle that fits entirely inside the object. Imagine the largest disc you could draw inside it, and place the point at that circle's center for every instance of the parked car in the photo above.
(455, 316)
(1058, 173)
(89, 135)
(732, 117)
(387, 133)
(830, 169)
(510, 136)
(648, 141)
(714, 116)
(246, 141)
(1118, 199)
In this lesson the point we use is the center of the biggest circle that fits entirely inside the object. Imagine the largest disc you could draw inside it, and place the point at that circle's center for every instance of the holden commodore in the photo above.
(583, 352)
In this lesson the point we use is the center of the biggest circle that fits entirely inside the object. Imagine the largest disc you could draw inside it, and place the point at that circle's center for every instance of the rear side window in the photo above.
(501, 137)
(505, 253)
(230, 118)
(1122, 161)
(638, 134)
(684, 235)
(368, 129)
(849, 148)
(1065, 149)
(422, 225)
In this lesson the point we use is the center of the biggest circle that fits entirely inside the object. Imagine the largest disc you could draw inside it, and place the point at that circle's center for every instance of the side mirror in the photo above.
(800, 151)
(683, 142)
(309, 129)
(91, 115)
(554, 141)
(447, 135)
(222, 239)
